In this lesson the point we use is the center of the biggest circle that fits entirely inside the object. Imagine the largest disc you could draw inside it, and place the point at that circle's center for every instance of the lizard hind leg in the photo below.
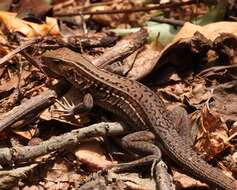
(140, 143)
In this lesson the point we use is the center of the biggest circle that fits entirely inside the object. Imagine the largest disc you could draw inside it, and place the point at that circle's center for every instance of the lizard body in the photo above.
(139, 106)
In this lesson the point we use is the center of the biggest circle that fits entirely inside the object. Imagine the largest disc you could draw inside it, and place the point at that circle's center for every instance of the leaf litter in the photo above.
(196, 70)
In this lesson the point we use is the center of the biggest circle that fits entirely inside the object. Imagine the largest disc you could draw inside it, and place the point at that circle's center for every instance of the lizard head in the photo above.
(63, 63)
(53, 62)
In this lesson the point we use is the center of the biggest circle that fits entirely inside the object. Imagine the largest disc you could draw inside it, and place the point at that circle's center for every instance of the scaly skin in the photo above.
(139, 106)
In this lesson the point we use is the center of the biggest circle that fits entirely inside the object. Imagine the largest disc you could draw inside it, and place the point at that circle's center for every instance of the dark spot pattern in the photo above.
(141, 108)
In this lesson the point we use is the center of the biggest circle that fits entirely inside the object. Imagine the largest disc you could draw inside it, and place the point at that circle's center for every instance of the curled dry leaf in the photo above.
(144, 63)
(210, 31)
(137, 65)
(199, 93)
(28, 133)
(193, 43)
(213, 134)
(29, 29)
(185, 53)
(226, 46)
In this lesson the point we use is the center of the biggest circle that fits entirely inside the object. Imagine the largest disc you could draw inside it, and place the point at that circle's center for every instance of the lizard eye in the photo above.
(68, 73)
(56, 61)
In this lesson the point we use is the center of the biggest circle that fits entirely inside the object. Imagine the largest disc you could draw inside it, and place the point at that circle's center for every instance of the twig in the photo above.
(9, 178)
(7, 57)
(32, 60)
(168, 21)
(67, 140)
(122, 49)
(215, 69)
(34, 105)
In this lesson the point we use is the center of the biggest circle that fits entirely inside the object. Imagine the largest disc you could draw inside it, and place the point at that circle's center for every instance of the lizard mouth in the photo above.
(51, 67)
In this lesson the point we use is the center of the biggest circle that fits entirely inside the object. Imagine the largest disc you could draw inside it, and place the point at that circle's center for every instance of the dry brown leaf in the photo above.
(92, 155)
(225, 100)
(199, 92)
(210, 31)
(213, 30)
(133, 181)
(8, 87)
(58, 177)
(28, 134)
(12, 81)
(184, 181)
(58, 109)
(174, 92)
(30, 29)
(226, 46)
(213, 134)
(39, 8)
(144, 63)
(185, 54)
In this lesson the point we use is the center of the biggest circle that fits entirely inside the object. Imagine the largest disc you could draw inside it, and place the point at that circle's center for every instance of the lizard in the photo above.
(139, 106)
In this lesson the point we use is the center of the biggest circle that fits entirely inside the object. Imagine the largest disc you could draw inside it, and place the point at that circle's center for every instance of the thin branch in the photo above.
(125, 11)
(168, 21)
(9, 178)
(67, 140)
(122, 49)
(10, 55)
(34, 105)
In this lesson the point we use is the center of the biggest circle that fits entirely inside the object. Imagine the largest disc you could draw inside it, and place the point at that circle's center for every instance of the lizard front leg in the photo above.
(69, 109)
